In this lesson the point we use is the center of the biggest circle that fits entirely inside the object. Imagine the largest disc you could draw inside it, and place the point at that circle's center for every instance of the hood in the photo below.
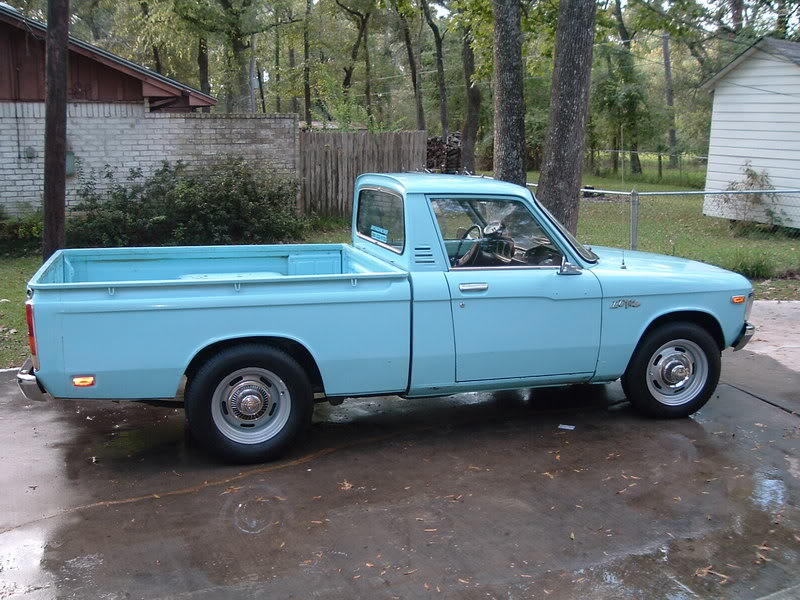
(657, 271)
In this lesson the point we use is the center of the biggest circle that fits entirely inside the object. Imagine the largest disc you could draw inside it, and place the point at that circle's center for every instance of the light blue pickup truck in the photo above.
(451, 284)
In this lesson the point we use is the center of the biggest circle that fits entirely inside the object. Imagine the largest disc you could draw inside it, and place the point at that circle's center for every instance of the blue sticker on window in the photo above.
(379, 233)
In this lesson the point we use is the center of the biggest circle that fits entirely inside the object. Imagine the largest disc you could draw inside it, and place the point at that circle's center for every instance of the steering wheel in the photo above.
(469, 255)
(499, 245)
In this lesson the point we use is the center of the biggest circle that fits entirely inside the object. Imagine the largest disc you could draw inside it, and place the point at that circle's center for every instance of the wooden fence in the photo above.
(330, 161)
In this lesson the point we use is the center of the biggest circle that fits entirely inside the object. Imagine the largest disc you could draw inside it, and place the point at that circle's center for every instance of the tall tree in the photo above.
(157, 67)
(509, 104)
(307, 64)
(277, 64)
(292, 65)
(469, 131)
(361, 20)
(437, 41)
(413, 73)
(670, 98)
(627, 70)
(560, 180)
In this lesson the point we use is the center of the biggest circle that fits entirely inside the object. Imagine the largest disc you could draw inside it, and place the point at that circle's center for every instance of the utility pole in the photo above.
(55, 128)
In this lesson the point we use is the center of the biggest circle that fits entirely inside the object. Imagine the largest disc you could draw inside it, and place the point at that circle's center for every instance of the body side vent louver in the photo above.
(423, 255)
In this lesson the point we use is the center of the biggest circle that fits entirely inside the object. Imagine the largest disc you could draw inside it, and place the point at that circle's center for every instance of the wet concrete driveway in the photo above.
(472, 496)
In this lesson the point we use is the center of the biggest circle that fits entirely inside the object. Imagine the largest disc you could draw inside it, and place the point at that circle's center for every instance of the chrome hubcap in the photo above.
(677, 372)
(251, 405)
(249, 400)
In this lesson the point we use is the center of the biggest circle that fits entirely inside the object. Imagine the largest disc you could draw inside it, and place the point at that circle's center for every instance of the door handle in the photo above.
(473, 287)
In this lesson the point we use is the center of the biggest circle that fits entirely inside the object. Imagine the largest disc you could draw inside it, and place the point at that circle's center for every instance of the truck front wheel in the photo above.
(673, 371)
(249, 403)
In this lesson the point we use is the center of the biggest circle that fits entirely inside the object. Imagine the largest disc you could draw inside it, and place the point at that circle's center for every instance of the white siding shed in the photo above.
(756, 120)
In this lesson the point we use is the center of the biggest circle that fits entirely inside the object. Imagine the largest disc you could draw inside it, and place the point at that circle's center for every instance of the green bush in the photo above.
(227, 203)
(754, 266)
(21, 235)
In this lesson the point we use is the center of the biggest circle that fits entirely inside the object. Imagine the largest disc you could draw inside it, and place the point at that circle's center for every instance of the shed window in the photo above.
(380, 218)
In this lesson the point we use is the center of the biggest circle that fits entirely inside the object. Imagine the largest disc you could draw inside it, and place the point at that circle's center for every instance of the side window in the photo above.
(380, 218)
(481, 232)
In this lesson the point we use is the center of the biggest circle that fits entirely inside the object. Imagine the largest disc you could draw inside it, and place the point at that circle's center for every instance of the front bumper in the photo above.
(28, 384)
(747, 332)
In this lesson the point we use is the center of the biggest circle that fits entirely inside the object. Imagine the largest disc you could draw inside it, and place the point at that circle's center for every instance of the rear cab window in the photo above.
(381, 218)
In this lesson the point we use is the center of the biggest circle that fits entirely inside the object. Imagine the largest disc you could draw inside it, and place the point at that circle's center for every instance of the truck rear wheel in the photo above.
(249, 403)
(673, 372)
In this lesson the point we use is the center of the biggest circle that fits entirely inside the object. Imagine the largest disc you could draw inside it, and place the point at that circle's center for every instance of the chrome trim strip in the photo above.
(747, 333)
(366, 238)
(500, 268)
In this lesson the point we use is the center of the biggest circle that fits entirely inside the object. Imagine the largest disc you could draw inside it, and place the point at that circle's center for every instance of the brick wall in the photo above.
(125, 136)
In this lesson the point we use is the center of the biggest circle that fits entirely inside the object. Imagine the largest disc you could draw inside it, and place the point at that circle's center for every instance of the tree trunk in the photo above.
(261, 88)
(367, 71)
(251, 76)
(636, 163)
(157, 67)
(560, 180)
(278, 107)
(202, 68)
(673, 141)
(737, 10)
(437, 40)
(350, 68)
(295, 99)
(509, 104)
(615, 156)
(307, 65)
(412, 68)
(240, 94)
(782, 24)
(469, 132)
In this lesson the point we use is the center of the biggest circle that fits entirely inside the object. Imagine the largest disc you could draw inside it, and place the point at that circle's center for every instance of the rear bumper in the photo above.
(747, 332)
(29, 385)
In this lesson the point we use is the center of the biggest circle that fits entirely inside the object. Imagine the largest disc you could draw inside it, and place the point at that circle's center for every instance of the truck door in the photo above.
(514, 314)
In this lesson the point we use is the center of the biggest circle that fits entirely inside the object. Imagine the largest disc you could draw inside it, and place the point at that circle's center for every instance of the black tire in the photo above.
(245, 379)
(673, 371)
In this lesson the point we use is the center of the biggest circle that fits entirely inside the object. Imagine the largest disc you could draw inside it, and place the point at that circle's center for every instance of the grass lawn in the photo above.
(670, 225)
(14, 274)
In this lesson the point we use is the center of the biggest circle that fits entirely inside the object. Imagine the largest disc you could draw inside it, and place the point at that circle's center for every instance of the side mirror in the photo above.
(567, 268)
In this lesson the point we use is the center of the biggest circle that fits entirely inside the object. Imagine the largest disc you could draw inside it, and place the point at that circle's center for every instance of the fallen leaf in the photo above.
(464, 581)
(317, 522)
(345, 485)
(231, 490)
(430, 530)
(572, 535)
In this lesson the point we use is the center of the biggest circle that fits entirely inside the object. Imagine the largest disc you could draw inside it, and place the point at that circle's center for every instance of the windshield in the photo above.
(586, 253)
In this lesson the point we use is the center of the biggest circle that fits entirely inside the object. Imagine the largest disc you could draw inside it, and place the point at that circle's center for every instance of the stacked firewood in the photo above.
(444, 157)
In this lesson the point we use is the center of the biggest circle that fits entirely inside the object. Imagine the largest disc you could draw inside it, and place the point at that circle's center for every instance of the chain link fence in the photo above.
(753, 232)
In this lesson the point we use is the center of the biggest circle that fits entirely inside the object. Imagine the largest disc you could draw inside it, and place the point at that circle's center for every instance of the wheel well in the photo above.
(701, 319)
(294, 349)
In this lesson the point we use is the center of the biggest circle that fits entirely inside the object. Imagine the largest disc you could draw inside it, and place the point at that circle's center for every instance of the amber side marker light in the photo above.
(83, 381)
(738, 299)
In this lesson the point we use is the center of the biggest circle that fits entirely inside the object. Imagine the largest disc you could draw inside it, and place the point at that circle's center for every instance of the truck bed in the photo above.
(135, 317)
(207, 264)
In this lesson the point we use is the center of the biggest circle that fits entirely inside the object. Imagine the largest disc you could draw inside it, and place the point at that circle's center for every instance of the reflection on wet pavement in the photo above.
(470, 496)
